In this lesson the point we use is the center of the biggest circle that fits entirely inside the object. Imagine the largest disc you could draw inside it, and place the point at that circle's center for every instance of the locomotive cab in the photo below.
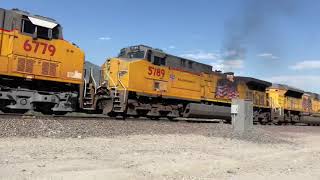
(161, 58)
(255, 91)
(39, 28)
(39, 70)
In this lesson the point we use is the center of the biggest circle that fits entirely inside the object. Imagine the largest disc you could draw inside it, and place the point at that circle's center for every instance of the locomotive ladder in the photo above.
(89, 92)
(117, 99)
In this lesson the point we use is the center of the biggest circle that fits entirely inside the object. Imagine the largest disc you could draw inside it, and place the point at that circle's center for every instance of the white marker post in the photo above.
(242, 115)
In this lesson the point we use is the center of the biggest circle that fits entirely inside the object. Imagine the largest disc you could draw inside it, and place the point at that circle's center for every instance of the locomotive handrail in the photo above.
(274, 105)
(94, 81)
(114, 84)
(125, 89)
(85, 87)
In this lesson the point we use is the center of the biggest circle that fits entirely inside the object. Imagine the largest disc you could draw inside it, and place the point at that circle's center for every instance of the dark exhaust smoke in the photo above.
(253, 27)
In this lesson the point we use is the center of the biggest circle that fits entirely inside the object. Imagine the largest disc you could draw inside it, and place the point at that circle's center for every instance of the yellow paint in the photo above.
(143, 77)
(316, 105)
(279, 100)
(68, 59)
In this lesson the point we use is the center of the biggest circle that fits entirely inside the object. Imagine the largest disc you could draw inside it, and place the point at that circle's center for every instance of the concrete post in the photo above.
(242, 115)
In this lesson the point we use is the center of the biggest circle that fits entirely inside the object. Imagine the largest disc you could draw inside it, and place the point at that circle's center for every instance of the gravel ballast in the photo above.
(81, 128)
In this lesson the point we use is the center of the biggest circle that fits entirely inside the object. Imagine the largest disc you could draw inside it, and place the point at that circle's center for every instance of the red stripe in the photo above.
(5, 30)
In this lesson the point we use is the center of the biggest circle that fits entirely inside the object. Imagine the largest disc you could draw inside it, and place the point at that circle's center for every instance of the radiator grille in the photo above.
(29, 66)
(49, 69)
(21, 64)
(45, 68)
(53, 69)
(25, 65)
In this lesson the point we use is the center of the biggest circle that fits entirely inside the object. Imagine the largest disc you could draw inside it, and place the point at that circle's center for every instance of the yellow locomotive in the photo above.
(291, 105)
(39, 69)
(143, 81)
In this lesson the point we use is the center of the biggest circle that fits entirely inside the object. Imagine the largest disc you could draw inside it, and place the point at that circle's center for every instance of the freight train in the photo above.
(40, 71)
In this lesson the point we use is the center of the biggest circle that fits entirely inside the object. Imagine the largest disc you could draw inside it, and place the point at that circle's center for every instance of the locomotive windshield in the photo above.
(38, 28)
(137, 54)
(132, 54)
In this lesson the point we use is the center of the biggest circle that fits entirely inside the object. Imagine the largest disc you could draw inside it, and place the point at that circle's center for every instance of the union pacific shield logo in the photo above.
(227, 88)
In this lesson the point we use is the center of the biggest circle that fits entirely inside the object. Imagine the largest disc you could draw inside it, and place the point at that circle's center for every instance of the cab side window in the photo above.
(149, 54)
(159, 61)
(183, 62)
(28, 27)
(38, 31)
(44, 33)
(56, 32)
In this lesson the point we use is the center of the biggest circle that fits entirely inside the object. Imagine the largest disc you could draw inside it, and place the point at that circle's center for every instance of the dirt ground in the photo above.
(294, 153)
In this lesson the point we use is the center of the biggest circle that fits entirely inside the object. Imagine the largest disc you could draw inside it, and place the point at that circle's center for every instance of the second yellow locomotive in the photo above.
(144, 81)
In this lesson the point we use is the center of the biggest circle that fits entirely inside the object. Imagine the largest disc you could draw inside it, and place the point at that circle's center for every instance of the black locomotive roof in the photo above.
(286, 87)
(255, 81)
(166, 59)
(25, 13)
(255, 84)
(142, 46)
(291, 91)
(314, 95)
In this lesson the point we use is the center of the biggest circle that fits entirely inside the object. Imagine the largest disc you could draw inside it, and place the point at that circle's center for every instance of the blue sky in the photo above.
(278, 41)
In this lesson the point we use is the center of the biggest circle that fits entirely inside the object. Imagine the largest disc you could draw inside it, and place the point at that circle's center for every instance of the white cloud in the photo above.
(268, 56)
(227, 65)
(217, 65)
(172, 47)
(105, 38)
(313, 64)
(201, 55)
(304, 82)
(217, 61)
(236, 64)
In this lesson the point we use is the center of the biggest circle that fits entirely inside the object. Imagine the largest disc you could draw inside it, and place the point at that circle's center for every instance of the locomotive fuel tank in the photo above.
(311, 120)
(195, 110)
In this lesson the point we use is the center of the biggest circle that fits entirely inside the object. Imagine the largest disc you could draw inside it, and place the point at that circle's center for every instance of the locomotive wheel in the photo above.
(112, 114)
(44, 108)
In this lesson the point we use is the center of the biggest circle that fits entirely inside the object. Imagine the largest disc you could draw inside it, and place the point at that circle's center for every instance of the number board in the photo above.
(156, 72)
(39, 47)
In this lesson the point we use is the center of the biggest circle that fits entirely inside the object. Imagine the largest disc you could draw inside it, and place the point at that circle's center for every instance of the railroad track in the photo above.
(42, 116)
(79, 116)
